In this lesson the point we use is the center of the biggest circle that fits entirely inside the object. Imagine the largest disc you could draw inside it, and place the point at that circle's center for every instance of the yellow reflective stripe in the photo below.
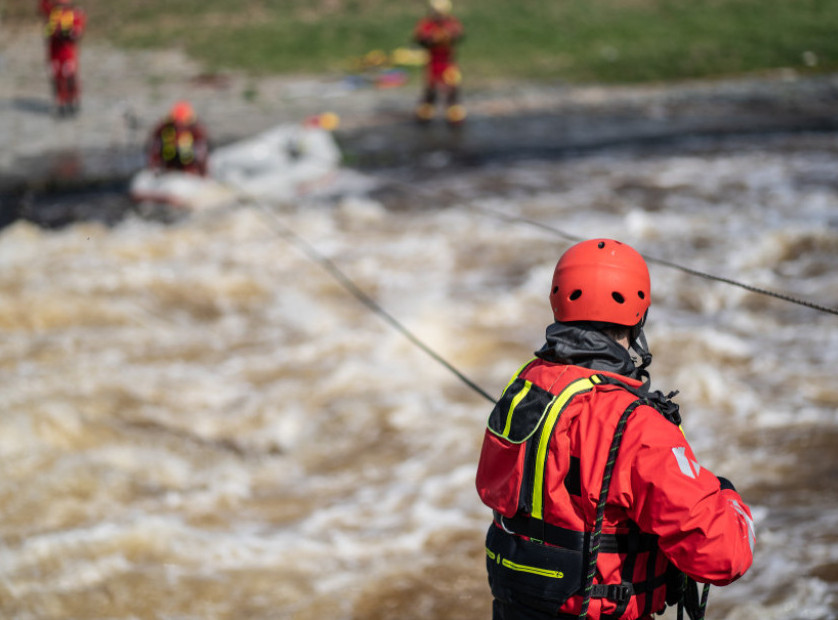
(518, 398)
(523, 568)
(517, 372)
(559, 402)
(54, 18)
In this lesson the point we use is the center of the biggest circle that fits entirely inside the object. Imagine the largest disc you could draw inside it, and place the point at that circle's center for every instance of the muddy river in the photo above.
(201, 422)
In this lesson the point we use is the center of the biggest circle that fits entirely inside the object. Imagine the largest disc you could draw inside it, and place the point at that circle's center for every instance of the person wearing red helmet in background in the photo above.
(179, 142)
(439, 33)
(65, 25)
(600, 506)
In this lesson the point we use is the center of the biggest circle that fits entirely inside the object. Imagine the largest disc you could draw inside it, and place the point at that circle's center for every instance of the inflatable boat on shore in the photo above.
(281, 164)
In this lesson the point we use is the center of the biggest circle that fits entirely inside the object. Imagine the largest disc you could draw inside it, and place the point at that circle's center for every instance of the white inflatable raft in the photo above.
(283, 163)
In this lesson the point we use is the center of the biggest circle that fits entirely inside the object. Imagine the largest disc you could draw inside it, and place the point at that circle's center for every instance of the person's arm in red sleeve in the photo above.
(424, 33)
(704, 529)
(79, 23)
(455, 30)
(153, 149)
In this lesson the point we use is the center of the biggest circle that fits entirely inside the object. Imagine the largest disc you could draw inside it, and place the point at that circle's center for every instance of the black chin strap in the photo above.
(639, 345)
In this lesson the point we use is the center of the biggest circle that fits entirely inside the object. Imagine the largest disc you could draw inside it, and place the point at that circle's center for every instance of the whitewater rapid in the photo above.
(199, 421)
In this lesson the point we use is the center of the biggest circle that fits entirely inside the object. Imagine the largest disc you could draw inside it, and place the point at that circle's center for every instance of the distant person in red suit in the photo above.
(64, 28)
(179, 142)
(439, 32)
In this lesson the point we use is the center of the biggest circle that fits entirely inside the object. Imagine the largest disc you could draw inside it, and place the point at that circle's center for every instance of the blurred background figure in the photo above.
(64, 28)
(439, 32)
(179, 142)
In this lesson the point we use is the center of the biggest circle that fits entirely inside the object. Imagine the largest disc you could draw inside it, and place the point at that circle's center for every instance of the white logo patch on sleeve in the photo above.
(749, 523)
(687, 466)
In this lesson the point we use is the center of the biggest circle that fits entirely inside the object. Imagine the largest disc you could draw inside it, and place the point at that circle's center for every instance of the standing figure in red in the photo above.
(601, 508)
(64, 28)
(179, 142)
(439, 33)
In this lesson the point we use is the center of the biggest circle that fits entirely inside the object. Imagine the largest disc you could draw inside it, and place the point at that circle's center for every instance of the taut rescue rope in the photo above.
(666, 263)
(289, 235)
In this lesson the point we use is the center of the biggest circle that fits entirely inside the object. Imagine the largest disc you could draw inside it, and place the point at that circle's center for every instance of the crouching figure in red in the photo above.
(601, 508)
(439, 33)
(179, 142)
(64, 28)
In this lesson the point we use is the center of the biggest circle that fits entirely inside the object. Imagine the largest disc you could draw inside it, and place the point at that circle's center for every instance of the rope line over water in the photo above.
(290, 236)
(285, 233)
(665, 263)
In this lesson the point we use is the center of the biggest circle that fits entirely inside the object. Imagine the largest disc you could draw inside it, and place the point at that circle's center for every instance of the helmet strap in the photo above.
(639, 345)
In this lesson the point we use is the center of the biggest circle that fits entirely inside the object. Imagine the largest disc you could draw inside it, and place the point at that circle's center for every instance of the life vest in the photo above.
(61, 24)
(537, 548)
(177, 145)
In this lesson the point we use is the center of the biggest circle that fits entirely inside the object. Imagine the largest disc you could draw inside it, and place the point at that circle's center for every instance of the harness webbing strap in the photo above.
(651, 561)
(524, 525)
(622, 592)
(596, 535)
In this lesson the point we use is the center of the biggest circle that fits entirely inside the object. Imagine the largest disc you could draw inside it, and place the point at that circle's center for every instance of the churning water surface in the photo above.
(198, 421)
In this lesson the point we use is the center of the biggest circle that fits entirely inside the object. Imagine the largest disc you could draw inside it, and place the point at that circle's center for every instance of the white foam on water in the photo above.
(204, 400)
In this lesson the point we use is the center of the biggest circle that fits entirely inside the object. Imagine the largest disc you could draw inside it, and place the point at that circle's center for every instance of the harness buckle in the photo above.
(621, 593)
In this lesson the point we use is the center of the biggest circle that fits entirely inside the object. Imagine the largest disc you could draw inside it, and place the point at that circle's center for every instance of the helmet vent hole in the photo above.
(618, 298)
(641, 294)
(575, 295)
(555, 290)
(601, 244)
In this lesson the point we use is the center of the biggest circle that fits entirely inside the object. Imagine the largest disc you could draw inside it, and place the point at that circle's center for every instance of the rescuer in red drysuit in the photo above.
(544, 463)
(179, 142)
(439, 32)
(64, 28)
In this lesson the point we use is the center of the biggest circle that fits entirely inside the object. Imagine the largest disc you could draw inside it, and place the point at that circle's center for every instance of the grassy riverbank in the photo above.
(606, 41)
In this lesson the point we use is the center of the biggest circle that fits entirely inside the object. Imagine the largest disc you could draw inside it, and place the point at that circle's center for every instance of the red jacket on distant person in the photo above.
(64, 28)
(439, 34)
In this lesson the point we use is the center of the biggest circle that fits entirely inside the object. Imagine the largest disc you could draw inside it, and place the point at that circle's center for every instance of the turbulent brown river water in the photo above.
(199, 422)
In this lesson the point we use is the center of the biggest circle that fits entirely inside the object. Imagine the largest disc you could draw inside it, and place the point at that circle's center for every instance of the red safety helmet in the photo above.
(182, 113)
(601, 280)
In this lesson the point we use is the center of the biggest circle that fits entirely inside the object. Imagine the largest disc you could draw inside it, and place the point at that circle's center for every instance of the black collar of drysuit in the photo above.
(583, 345)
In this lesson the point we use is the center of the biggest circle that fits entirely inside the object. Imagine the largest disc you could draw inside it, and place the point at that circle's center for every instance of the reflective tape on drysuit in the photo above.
(526, 413)
(558, 405)
(553, 412)
(177, 145)
(523, 568)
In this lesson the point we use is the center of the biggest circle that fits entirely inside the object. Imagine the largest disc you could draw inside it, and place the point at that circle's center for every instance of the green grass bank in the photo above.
(576, 41)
